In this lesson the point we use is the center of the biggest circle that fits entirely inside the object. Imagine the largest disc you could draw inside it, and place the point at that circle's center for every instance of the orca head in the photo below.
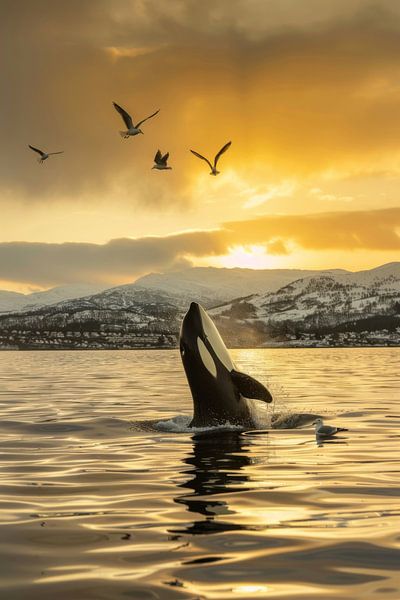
(200, 341)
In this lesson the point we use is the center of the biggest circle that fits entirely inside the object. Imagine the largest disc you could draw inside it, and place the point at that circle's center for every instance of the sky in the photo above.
(308, 91)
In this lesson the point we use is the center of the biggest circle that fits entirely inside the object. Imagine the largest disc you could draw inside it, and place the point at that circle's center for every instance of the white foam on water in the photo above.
(276, 415)
(261, 413)
(180, 424)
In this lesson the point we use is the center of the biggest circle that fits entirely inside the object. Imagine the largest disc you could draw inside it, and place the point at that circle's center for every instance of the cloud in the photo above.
(280, 190)
(123, 260)
(277, 247)
(117, 261)
(318, 193)
(122, 52)
(302, 88)
(345, 230)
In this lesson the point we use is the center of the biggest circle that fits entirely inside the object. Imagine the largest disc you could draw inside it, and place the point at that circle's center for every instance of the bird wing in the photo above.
(223, 149)
(126, 116)
(147, 118)
(202, 158)
(60, 152)
(36, 150)
(326, 430)
(158, 157)
(165, 158)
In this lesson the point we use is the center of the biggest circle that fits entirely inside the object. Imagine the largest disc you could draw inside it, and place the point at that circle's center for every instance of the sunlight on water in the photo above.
(106, 493)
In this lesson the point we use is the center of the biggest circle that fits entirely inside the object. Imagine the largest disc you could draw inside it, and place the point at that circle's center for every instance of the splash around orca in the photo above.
(219, 390)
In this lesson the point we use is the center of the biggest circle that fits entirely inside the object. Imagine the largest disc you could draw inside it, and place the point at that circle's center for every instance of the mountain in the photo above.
(211, 285)
(208, 285)
(117, 318)
(317, 305)
(14, 301)
(329, 305)
(11, 301)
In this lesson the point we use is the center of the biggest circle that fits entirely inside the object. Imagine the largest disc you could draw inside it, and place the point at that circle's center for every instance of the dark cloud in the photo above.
(350, 230)
(122, 260)
(114, 262)
(304, 87)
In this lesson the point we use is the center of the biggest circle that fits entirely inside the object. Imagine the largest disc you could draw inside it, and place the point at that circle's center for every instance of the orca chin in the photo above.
(220, 392)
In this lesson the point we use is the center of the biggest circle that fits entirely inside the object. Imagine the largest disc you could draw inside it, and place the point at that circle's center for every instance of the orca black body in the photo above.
(219, 391)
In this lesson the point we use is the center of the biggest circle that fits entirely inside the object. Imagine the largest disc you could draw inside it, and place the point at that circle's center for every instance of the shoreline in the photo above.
(266, 347)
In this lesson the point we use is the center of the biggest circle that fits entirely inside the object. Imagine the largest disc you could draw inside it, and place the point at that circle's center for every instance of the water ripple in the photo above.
(98, 501)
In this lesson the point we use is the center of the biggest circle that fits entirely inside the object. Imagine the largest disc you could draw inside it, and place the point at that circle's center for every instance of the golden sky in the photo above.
(308, 92)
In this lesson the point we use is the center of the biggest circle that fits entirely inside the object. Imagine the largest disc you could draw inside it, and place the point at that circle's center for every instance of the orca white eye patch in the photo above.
(216, 341)
(206, 357)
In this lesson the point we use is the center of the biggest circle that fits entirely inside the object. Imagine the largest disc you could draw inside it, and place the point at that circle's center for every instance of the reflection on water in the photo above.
(216, 462)
(95, 506)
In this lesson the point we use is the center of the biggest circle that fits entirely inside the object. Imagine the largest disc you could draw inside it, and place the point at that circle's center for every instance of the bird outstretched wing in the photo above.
(147, 118)
(36, 150)
(202, 158)
(126, 116)
(223, 149)
(158, 157)
(60, 152)
(165, 158)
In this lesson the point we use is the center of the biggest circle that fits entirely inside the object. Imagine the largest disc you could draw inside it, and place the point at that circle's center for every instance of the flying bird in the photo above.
(216, 159)
(161, 161)
(131, 128)
(43, 155)
(322, 430)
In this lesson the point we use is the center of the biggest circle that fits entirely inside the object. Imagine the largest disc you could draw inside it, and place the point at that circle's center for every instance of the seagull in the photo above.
(132, 129)
(322, 430)
(43, 155)
(161, 161)
(216, 159)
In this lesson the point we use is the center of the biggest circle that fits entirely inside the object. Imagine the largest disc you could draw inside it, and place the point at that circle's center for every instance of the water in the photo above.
(96, 503)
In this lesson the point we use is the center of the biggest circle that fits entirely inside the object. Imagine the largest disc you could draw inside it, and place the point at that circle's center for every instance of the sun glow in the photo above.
(247, 257)
(244, 256)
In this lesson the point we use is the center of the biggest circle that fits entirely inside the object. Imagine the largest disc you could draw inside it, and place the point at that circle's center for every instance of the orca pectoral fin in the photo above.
(249, 387)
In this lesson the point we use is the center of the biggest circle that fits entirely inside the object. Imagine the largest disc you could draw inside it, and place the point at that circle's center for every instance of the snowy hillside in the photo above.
(208, 285)
(106, 320)
(324, 301)
(130, 316)
(211, 286)
(13, 301)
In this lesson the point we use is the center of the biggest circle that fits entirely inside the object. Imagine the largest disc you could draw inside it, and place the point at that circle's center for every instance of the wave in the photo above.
(262, 420)
(181, 424)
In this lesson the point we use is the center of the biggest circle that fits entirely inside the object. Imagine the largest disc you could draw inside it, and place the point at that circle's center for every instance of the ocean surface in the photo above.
(106, 494)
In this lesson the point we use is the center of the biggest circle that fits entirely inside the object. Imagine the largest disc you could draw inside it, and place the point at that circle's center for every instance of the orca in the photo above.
(219, 390)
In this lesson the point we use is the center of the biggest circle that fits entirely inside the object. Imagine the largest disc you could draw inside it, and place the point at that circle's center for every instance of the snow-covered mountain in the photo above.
(14, 301)
(137, 308)
(208, 285)
(135, 316)
(319, 302)
(211, 285)
(113, 319)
